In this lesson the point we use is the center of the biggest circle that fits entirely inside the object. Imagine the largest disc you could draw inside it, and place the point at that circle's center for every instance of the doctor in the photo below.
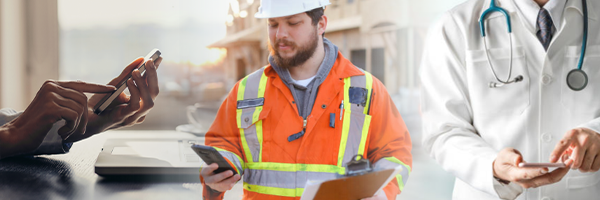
(492, 102)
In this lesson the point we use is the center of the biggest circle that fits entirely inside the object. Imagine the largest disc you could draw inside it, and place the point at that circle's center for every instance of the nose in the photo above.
(282, 32)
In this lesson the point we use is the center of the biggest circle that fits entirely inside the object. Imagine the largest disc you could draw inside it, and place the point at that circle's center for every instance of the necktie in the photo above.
(544, 22)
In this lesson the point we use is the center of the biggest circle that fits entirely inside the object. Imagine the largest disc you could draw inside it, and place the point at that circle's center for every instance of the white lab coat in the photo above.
(466, 123)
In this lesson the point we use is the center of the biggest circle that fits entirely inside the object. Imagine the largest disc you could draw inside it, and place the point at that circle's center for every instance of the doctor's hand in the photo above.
(220, 182)
(125, 110)
(582, 145)
(506, 167)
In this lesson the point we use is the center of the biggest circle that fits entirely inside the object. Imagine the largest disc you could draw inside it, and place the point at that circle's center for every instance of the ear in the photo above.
(322, 25)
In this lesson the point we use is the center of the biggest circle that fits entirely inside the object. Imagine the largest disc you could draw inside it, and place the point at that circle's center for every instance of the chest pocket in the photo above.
(586, 100)
(510, 98)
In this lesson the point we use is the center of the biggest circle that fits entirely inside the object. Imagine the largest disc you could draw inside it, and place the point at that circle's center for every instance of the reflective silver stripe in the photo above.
(283, 179)
(354, 134)
(233, 158)
(357, 119)
(386, 164)
(251, 92)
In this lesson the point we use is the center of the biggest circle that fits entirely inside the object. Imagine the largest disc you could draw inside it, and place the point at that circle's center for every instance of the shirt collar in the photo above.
(530, 10)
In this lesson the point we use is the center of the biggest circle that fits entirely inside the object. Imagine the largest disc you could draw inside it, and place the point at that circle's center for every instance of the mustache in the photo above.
(284, 42)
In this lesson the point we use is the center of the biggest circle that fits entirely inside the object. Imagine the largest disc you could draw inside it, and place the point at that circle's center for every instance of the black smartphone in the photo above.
(109, 98)
(210, 155)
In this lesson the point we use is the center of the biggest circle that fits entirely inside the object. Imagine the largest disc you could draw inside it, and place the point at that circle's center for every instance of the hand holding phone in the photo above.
(219, 174)
(108, 99)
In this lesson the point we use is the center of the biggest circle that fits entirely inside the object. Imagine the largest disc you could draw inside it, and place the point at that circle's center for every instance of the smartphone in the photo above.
(210, 155)
(540, 165)
(108, 99)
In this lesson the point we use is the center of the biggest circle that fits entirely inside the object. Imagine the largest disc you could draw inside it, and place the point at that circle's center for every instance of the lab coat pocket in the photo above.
(510, 98)
(583, 181)
(586, 100)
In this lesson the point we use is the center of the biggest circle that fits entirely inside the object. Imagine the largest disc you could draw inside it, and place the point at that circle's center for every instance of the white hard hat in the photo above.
(281, 8)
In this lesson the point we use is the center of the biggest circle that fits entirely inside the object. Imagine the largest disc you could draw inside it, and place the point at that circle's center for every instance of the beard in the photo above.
(303, 53)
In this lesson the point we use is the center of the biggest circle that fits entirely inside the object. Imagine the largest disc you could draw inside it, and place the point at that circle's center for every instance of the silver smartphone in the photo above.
(540, 165)
(109, 98)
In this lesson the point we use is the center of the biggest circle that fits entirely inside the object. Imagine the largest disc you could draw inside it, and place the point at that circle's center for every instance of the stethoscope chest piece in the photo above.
(577, 79)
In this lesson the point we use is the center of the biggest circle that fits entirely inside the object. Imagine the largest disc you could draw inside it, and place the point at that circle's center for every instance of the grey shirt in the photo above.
(305, 96)
(52, 143)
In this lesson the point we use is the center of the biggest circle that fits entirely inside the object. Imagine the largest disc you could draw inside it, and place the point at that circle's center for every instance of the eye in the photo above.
(294, 23)
(272, 25)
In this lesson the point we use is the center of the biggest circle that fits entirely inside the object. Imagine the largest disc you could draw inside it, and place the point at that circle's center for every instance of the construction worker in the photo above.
(305, 115)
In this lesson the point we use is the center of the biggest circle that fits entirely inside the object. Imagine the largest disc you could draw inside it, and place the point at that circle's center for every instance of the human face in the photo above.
(292, 39)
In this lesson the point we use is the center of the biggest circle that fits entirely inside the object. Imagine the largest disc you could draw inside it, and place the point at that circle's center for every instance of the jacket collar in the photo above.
(342, 68)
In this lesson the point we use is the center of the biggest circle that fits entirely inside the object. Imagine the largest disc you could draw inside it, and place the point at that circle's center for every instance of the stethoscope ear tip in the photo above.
(519, 78)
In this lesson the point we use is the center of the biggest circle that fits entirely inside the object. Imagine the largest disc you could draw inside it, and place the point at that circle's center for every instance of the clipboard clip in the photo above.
(358, 165)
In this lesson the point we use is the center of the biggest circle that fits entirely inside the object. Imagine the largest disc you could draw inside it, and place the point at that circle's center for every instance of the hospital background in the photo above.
(207, 47)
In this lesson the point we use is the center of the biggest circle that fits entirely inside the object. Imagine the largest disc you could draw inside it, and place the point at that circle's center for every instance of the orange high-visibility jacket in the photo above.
(253, 127)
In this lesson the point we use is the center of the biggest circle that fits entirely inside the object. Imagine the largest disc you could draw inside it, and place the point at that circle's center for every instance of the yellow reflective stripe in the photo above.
(399, 176)
(259, 129)
(397, 161)
(365, 134)
(369, 89)
(286, 192)
(345, 122)
(400, 183)
(240, 96)
(238, 157)
(294, 167)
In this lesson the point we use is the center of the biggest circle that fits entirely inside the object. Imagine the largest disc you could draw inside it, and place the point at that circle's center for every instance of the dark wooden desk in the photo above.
(71, 175)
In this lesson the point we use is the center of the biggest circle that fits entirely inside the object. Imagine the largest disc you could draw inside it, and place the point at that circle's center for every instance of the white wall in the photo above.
(28, 49)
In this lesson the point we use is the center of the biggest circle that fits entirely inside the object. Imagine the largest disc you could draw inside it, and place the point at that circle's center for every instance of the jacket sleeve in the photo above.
(388, 143)
(224, 136)
(52, 144)
(448, 132)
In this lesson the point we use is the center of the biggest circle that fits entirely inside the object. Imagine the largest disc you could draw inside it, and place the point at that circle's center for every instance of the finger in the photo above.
(562, 145)
(578, 156)
(596, 165)
(520, 174)
(134, 99)
(70, 117)
(157, 62)
(127, 71)
(550, 178)
(588, 160)
(152, 79)
(230, 182)
(143, 88)
(208, 170)
(216, 178)
(86, 87)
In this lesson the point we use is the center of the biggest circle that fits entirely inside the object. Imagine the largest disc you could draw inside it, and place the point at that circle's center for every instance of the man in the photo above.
(281, 125)
(481, 130)
(61, 114)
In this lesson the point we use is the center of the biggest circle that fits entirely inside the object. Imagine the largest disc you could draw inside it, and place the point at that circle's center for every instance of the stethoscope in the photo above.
(577, 79)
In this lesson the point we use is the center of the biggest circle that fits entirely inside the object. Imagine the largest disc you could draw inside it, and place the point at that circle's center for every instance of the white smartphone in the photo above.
(540, 165)
(109, 98)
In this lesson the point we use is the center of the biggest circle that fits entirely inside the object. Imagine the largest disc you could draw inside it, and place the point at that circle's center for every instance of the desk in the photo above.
(71, 175)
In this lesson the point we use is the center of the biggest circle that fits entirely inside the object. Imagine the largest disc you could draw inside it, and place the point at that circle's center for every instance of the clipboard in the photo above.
(349, 188)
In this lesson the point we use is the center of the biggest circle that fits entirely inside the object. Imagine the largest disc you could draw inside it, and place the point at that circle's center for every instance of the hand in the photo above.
(125, 110)
(56, 100)
(220, 182)
(506, 167)
(582, 145)
(379, 196)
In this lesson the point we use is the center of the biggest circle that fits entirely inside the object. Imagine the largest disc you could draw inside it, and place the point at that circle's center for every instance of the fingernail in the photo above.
(543, 171)
(552, 158)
